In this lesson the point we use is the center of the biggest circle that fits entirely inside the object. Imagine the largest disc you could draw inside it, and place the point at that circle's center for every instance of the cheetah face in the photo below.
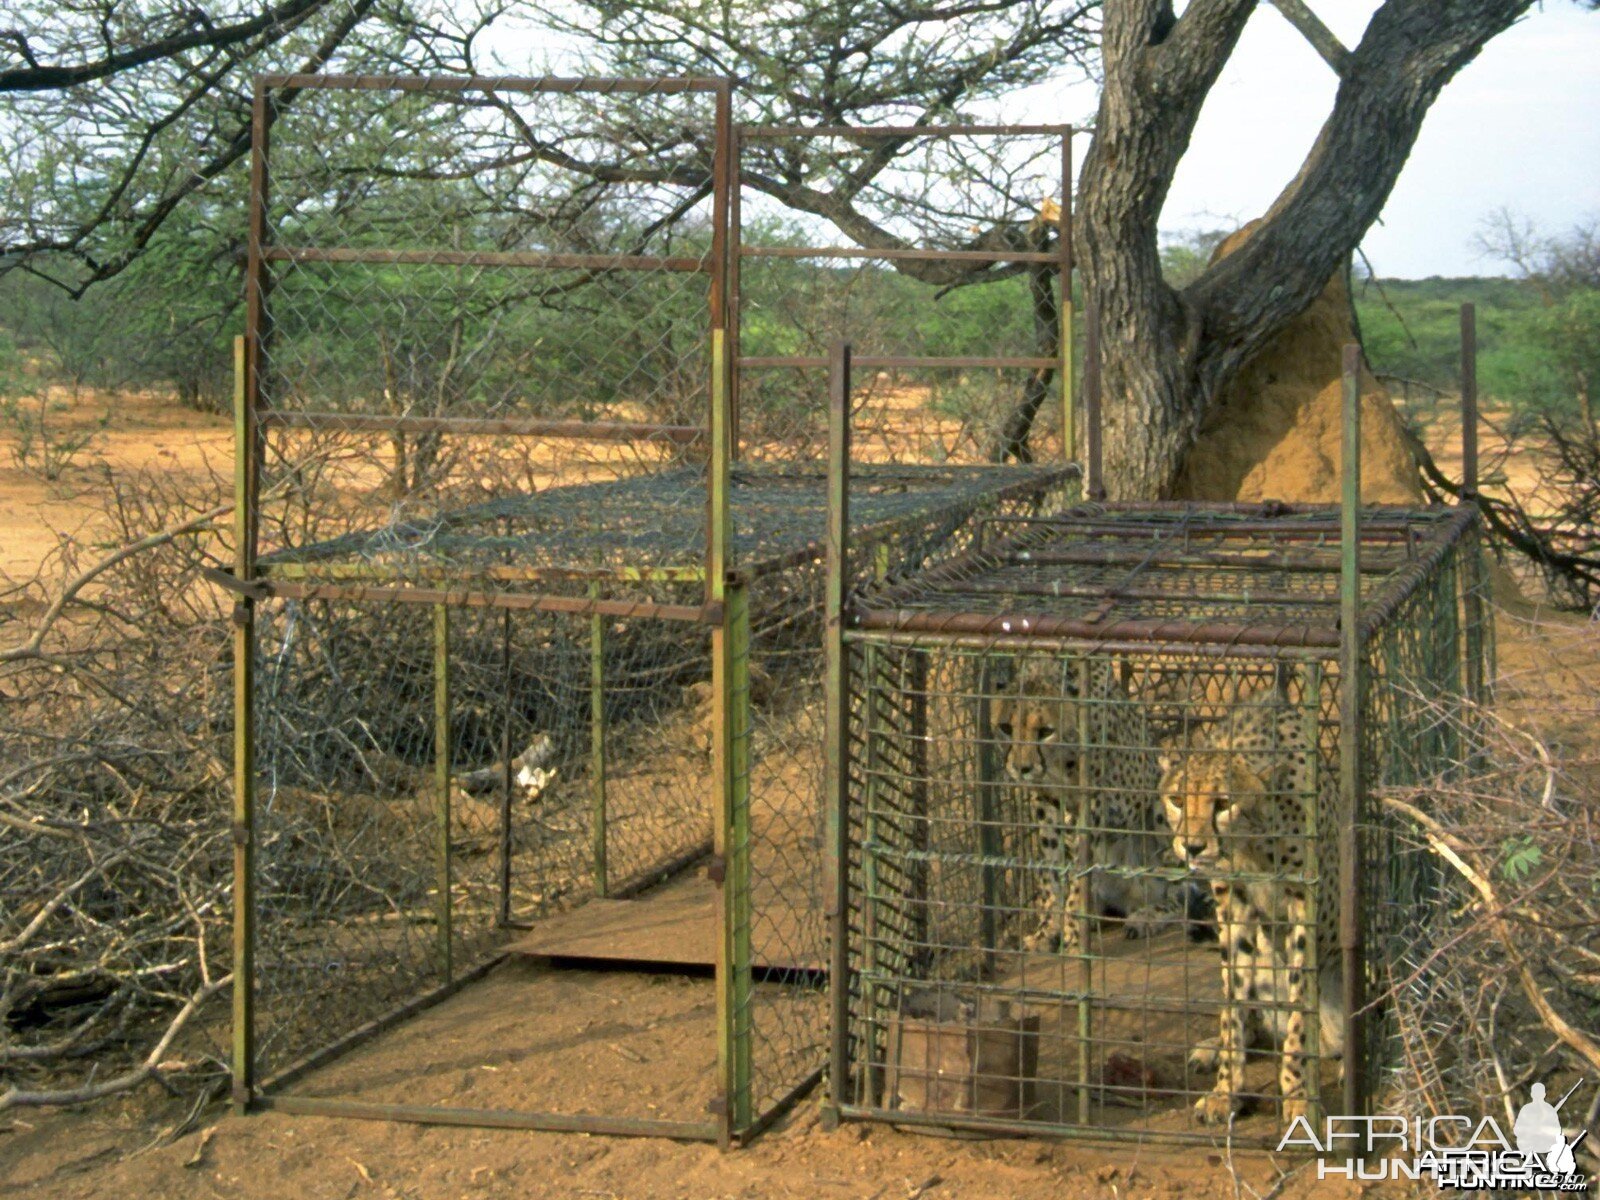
(1037, 734)
(1205, 797)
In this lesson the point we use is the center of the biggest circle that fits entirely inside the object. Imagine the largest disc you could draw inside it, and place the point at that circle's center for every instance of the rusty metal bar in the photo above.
(492, 83)
(1351, 651)
(484, 258)
(1469, 402)
(317, 568)
(602, 431)
(1414, 572)
(244, 770)
(903, 362)
(835, 889)
(1019, 643)
(1069, 439)
(900, 254)
(1091, 591)
(1013, 1127)
(706, 614)
(1143, 631)
(900, 131)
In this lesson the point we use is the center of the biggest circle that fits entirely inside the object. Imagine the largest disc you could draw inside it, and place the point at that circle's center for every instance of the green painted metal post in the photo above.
(1352, 894)
(836, 865)
(1081, 858)
(1310, 787)
(1472, 598)
(244, 769)
(597, 744)
(730, 671)
(441, 783)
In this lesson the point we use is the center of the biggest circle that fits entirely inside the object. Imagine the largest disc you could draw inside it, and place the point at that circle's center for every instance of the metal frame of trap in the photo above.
(857, 623)
(724, 611)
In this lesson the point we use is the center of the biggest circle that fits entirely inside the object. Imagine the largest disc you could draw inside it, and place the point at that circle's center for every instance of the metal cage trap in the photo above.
(1074, 766)
(528, 654)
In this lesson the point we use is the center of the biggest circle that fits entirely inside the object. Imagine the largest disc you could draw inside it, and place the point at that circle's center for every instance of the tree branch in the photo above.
(40, 77)
(1322, 39)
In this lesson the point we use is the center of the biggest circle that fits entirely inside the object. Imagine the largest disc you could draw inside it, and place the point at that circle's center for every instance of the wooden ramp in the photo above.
(674, 925)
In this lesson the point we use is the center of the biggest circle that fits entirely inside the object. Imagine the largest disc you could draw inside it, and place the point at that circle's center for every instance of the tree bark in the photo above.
(1166, 355)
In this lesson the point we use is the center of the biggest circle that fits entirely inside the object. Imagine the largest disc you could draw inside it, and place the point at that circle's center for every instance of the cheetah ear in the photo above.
(1168, 760)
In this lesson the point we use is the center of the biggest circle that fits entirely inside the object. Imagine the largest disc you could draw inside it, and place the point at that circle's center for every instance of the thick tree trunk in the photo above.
(1166, 355)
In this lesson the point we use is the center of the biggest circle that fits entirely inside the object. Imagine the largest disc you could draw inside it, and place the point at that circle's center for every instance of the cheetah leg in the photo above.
(1238, 955)
(1052, 928)
(1292, 1067)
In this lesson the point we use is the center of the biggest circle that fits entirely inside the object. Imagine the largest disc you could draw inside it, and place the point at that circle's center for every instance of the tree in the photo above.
(113, 115)
(1168, 352)
(1564, 332)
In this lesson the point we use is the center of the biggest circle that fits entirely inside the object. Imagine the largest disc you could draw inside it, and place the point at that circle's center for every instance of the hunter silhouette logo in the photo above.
(1455, 1152)
(1539, 1134)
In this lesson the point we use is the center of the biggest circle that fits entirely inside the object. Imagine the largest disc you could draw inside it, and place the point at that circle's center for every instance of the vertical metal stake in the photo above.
(836, 869)
(244, 768)
(1352, 897)
(1472, 572)
(1469, 403)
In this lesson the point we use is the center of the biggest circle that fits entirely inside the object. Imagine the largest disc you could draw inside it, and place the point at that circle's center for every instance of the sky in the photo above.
(1518, 127)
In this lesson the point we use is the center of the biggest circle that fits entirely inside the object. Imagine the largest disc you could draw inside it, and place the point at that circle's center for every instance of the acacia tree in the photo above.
(1168, 352)
(115, 113)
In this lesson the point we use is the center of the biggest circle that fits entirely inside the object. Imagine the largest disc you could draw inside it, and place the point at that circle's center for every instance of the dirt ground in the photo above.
(141, 431)
(147, 1146)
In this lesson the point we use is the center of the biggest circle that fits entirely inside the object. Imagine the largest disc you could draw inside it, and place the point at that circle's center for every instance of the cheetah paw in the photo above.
(1217, 1108)
(1043, 942)
(1295, 1108)
(1204, 1056)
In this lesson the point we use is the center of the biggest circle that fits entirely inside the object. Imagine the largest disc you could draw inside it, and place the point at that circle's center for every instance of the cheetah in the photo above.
(1037, 719)
(1235, 805)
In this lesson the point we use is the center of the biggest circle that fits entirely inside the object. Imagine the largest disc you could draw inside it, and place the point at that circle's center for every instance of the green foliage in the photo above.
(1186, 253)
(1412, 328)
(1520, 857)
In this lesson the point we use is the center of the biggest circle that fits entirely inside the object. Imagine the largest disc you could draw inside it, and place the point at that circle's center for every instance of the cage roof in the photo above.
(1256, 575)
(659, 520)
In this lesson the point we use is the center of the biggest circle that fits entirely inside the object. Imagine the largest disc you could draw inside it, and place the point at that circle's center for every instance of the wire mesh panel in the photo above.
(939, 252)
(522, 648)
(1090, 756)
(482, 388)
